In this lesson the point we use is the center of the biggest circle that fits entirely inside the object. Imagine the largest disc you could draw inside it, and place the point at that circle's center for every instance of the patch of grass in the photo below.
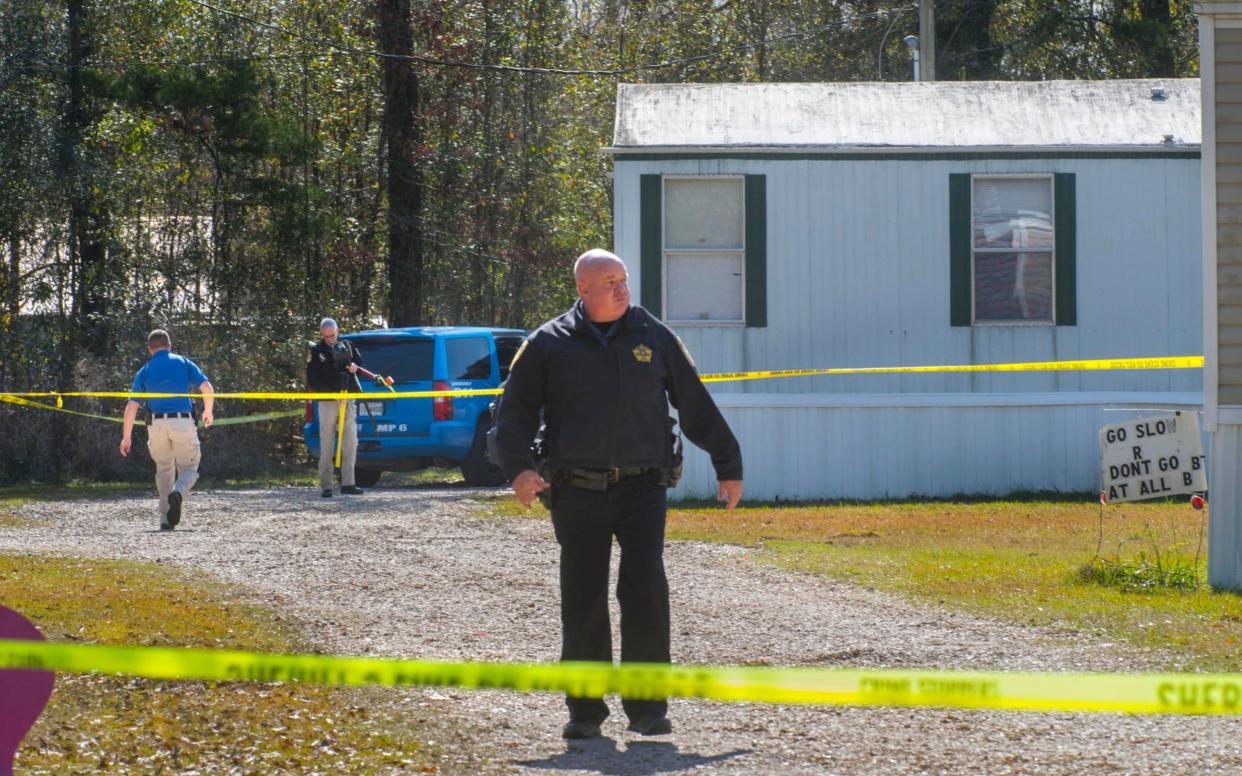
(10, 520)
(118, 724)
(431, 475)
(1014, 560)
(38, 491)
(9, 517)
(1142, 575)
(508, 506)
(88, 489)
(292, 477)
(309, 476)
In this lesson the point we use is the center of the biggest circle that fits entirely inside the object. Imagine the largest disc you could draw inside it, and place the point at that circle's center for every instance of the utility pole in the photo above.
(927, 41)
(402, 136)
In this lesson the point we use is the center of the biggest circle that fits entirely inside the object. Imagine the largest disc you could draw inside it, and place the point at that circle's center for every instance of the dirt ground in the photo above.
(417, 572)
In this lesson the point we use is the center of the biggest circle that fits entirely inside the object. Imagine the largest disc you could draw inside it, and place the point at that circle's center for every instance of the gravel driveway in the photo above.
(415, 572)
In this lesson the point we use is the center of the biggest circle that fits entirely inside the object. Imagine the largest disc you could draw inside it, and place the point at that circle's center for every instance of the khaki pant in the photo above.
(173, 443)
(329, 411)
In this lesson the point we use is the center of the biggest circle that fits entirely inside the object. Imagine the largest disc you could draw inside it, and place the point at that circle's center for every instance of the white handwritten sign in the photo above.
(1152, 458)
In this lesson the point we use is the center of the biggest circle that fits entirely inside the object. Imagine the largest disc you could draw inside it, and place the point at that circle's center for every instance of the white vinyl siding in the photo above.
(861, 446)
(857, 258)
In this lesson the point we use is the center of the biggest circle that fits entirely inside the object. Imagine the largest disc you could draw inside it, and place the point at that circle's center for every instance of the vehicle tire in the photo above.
(476, 469)
(366, 478)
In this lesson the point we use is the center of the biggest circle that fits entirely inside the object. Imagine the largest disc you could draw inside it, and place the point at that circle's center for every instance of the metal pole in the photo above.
(912, 41)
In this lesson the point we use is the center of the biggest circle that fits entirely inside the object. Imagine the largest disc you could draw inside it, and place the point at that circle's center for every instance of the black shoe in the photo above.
(580, 728)
(174, 509)
(653, 725)
(351, 490)
(165, 527)
(327, 493)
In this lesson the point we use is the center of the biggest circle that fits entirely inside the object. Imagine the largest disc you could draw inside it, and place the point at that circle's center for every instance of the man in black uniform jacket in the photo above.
(331, 365)
(603, 375)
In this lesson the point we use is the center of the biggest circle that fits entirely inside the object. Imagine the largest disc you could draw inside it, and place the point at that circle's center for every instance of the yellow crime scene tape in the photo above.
(1103, 364)
(1012, 691)
(1111, 364)
(217, 422)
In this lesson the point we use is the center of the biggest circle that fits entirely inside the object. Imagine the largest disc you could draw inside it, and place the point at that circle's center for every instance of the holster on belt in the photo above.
(588, 479)
(599, 480)
(671, 476)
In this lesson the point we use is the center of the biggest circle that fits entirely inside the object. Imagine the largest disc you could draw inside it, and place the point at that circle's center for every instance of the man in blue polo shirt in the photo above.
(171, 434)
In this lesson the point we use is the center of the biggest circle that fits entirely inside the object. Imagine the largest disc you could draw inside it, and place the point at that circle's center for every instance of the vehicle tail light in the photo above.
(310, 412)
(441, 406)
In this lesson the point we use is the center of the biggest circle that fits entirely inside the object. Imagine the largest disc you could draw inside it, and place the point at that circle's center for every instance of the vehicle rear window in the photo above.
(506, 349)
(403, 359)
(469, 358)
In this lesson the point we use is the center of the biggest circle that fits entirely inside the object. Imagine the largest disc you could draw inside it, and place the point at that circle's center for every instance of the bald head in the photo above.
(603, 285)
(595, 259)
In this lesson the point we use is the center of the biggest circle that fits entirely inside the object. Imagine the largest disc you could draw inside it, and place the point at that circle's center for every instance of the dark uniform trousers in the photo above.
(633, 510)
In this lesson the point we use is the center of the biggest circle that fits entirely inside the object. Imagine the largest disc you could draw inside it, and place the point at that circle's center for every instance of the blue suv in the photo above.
(411, 434)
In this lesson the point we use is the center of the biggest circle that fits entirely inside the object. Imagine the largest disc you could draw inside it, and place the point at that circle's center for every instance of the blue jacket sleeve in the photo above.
(519, 408)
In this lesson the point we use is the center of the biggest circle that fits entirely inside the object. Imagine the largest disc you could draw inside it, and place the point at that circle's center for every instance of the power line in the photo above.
(448, 240)
(429, 60)
(164, 62)
(337, 49)
(880, 52)
(435, 239)
(962, 55)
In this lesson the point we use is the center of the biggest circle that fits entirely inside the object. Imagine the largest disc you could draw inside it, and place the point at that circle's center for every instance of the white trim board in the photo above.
(1207, 207)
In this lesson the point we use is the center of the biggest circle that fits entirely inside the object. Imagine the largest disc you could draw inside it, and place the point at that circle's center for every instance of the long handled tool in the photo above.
(366, 405)
(379, 379)
(340, 427)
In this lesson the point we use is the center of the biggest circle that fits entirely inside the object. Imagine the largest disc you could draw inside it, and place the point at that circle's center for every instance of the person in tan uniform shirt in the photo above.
(172, 436)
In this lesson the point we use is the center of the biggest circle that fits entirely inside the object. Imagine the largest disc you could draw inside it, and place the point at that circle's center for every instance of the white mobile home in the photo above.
(1220, 65)
(790, 226)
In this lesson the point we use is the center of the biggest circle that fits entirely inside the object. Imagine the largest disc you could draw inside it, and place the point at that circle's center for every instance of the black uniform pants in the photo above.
(633, 510)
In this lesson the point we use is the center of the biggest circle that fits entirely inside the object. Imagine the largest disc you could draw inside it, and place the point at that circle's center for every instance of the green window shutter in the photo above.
(651, 241)
(1065, 205)
(959, 249)
(756, 251)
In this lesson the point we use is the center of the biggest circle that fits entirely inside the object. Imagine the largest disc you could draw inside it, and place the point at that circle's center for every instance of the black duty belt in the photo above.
(600, 479)
(163, 415)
